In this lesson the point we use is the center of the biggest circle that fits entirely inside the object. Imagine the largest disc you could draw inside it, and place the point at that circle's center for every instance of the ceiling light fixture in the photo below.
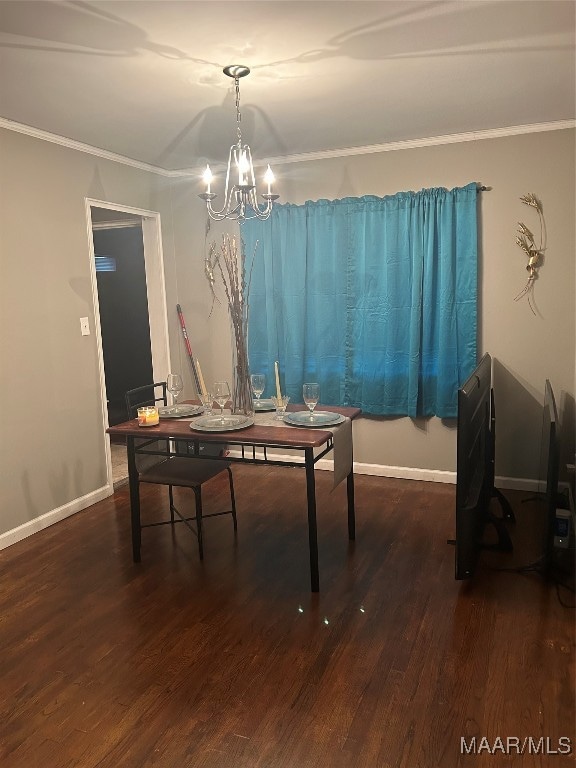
(240, 201)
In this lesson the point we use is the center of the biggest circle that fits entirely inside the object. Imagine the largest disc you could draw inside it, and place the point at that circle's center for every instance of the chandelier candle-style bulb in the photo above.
(207, 178)
(243, 168)
(240, 199)
(269, 178)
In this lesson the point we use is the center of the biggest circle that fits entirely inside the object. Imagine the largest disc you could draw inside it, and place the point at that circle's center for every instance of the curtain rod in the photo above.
(482, 188)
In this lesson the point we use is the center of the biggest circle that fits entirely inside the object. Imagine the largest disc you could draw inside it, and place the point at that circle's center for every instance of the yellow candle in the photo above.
(203, 389)
(148, 416)
(278, 391)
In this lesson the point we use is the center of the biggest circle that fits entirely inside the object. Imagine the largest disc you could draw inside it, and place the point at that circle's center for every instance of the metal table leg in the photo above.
(312, 527)
(351, 511)
(134, 499)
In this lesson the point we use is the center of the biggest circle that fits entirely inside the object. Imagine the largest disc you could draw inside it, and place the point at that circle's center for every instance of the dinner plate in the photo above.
(320, 419)
(260, 406)
(179, 411)
(214, 423)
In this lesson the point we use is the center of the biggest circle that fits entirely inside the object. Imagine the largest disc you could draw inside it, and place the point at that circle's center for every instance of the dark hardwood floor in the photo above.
(233, 663)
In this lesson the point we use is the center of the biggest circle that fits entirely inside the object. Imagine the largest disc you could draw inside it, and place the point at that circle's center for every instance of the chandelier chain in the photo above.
(238, 115)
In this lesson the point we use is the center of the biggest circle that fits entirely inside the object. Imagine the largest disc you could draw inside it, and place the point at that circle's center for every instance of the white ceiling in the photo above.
(144, 79)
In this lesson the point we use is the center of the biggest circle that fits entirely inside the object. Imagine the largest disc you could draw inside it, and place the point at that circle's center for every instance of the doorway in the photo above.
(124, 317)
(130, 316)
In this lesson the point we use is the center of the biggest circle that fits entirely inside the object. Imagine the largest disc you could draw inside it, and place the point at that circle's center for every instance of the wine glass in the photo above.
(311, 394)
(174, 386)
(221, 393)
(258, 382)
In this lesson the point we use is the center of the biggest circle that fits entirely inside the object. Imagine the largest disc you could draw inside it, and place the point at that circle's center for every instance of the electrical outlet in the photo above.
(84, 326)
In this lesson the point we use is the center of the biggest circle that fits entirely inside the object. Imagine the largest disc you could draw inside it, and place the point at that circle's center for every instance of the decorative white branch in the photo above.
(228, 262)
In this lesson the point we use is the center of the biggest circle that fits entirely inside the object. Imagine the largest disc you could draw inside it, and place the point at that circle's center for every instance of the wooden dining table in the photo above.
(257, 444)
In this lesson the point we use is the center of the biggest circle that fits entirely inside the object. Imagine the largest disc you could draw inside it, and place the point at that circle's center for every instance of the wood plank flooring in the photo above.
(233, 663)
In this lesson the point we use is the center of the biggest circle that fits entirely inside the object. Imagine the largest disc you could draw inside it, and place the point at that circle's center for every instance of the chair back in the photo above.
(148, 394)
(152, 394)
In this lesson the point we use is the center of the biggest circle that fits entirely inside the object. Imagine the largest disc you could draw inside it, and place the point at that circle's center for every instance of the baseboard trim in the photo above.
(518, 484)
(411, 473)
(360, 468)
(54, 516)
(405, 473)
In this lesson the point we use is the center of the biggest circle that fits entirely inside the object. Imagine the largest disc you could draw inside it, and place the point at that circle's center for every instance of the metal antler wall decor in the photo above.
(525, 239)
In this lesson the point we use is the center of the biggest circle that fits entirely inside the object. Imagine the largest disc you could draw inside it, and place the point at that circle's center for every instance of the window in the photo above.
(105, 263)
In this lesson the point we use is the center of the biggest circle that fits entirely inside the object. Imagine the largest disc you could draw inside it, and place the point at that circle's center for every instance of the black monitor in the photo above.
(475, 472)
(550, 463)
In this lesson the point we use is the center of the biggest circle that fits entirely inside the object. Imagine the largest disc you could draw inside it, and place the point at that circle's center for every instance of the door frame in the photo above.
(157, 307)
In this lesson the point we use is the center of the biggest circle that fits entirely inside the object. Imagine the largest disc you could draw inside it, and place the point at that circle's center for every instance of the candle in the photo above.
(269, 179)
(207, 178)
(243, 167)
(278, 391)
(203, 389)
(148, 416)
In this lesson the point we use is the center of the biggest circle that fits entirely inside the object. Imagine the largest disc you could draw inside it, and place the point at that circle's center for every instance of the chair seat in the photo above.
(189, 473)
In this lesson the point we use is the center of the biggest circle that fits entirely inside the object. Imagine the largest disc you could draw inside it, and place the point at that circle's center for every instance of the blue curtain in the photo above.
(374, 298)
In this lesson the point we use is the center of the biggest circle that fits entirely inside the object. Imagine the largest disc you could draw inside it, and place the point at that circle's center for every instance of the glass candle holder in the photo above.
(207, 401)
(280, 404)
(148, 416)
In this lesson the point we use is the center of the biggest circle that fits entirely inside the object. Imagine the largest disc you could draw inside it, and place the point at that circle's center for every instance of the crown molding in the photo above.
(433, 141)
(454, 138)
(88, 149)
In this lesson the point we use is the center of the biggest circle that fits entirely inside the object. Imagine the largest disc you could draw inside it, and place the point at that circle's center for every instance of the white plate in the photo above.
(320, 419)
(260, 406)
(179, 411)
(214, 423)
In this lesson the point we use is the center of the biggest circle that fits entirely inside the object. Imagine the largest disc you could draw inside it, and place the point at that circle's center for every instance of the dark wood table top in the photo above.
(257, 434)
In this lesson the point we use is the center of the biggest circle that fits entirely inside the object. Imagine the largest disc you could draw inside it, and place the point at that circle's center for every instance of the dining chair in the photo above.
(176, 471)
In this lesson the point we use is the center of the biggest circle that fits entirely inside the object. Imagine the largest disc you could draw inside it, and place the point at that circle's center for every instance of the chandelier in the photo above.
(240, 201)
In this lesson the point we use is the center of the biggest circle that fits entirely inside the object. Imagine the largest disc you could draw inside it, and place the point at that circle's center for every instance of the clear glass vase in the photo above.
(242, 402)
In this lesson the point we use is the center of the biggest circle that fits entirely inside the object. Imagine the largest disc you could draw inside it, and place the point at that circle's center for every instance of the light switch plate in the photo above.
(84, 326)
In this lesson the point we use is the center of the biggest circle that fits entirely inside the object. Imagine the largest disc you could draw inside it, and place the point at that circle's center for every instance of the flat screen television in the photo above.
(550, 464)
(475, 447)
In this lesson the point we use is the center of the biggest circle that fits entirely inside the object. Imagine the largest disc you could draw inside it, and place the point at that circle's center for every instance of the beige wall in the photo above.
(52, 445)
(527, 349)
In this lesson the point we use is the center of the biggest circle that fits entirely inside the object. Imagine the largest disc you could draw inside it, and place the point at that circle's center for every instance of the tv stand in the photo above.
(507, 511)
(504, 543)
